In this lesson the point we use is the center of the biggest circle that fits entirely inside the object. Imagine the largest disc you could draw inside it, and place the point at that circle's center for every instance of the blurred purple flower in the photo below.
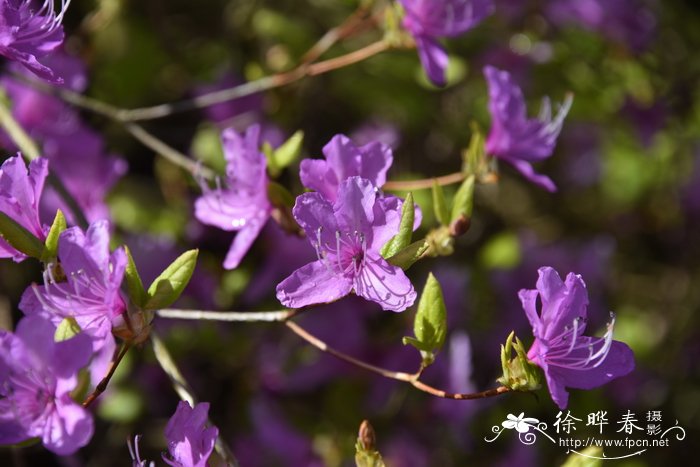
(28, 32)
(242, 205)
(427, 20)
(343, 160)
(88, 173)
(347, 236)
(20, 190)
(515, 138)
(89, 293)
(568, 358)
(189, 443)
(379, 131)
(624, 21)
(37, 376)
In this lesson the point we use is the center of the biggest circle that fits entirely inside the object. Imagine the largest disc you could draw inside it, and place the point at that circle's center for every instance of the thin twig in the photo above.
(166, 362)
(345, 29)
(228, 316)
(425, 183)
(102, 385)
(397, 375)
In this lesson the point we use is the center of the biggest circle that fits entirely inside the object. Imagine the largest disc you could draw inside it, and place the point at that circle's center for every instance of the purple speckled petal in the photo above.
(243, 241)
(384, 284)
(311, 284)
(354, 208)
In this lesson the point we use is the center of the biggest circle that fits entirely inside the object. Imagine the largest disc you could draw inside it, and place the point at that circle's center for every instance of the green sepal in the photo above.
(20, 238)
(134, 284)
(285, 155)
(409, 255)
(519, 373)
(463, 202)
(403, 238)
(474, 157)
(168, 286)
(279, 196)
(430, 324)
(26, 443)
(439, 204)
(51, 243)
(67, 328)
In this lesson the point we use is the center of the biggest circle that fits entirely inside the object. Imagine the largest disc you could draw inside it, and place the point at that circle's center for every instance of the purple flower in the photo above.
(86, 288)
(189, 442)
(568, 358)
(343, 160)
(241, 205)
(27, 32)
(515, 138)
(36, 378)
(347, 236)
(20, 191)
(427, 20)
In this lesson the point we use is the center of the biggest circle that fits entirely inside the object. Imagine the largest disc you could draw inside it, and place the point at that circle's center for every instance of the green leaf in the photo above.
(430, 324)
(279, 196)
(409, 255)
(167, 287)
(402, 239)
(474, 157)
(20, 238)
(463, 203)
(134, 284)
(439, 204)
(286, 154)
(66, 329)
(51, 243)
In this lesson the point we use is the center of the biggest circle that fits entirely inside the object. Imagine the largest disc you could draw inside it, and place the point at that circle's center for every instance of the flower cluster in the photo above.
(347, 223)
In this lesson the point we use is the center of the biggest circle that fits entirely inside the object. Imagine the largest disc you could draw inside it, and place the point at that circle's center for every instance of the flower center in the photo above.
(568, 350)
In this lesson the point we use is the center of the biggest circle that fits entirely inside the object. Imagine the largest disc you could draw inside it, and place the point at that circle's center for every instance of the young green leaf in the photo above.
(286, 154)
(279, 196)
(20, 238)
(403, 238)
(51, 243)
(409, 255)
(66, 329)
(167, 287)
(430, 324)
(439, 204)
(134, 284)
(463, 203)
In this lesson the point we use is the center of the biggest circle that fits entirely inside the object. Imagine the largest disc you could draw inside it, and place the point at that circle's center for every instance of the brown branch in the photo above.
(397, 375)
(102, 385)
(425, 183)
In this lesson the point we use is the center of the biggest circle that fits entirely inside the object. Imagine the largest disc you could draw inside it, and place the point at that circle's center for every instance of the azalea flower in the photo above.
(347, 236)
(516, 139)
(86, 287)
(242, 204)
(427, 20)
(20, 190)
(190, 443)
(37, 376)
(29, 33)
(344, 159)
(568, 358)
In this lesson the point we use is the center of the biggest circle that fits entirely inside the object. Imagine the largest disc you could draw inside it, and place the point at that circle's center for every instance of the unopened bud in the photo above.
(366, 436)
(460, 226)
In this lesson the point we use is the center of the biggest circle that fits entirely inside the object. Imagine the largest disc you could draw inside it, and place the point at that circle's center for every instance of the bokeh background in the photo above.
(626, 217)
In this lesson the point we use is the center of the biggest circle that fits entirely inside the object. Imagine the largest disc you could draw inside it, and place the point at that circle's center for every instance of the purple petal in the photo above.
(354, 208)
(343, 157)
(69, 429)
(528, 298)
(225, 209)
(571, 306)
(315, 215)
(312, 284)
(375, 162)
(384, 284)
(619, 362)
(315, 174)
(525, 168)
(434, 59)
(243, 241)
